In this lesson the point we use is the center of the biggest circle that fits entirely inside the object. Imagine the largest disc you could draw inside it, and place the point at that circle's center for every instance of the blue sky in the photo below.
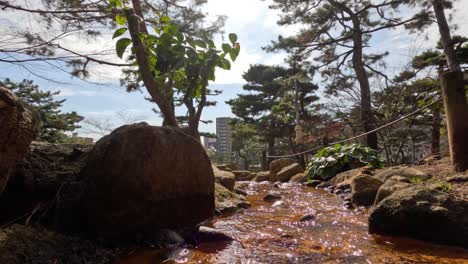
(255, 25)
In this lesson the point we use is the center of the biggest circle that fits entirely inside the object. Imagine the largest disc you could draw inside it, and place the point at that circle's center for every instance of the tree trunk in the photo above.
(456, 110)
(445, 36)
(271, 149)
(453, 91)
(367, 117)
(136, 25)
(435, 133)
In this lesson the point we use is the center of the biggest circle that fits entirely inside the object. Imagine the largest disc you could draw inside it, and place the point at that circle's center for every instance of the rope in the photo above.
(361, 135)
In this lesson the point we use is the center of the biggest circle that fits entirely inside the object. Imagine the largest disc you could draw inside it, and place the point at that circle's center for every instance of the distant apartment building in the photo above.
(224, 134)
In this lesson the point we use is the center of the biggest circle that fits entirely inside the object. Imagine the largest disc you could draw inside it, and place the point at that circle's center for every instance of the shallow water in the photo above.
(272, 233)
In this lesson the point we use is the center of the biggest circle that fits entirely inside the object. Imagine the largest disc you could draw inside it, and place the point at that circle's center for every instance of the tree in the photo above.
(269, 105)
(336, 34)
(52, 41)
(451, 79)
(54, 122)
(174, 67)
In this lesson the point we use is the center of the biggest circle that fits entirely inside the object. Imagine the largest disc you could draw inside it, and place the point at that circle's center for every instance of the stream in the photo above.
(270, 232)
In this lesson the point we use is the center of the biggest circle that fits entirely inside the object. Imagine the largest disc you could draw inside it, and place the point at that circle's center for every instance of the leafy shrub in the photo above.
(330, 161)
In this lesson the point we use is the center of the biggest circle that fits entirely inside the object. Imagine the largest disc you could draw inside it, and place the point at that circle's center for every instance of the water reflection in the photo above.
(271, 232)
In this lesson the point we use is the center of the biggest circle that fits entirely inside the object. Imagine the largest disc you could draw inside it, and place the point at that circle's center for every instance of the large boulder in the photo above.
(142, 178)
(422, 212)
(364, 189)
(406, 172)
(262, 176)
(278, 165)
(286, 173)
(243, 175)
(225, 178)
(18, 127)
(390, 186)
(47, 174)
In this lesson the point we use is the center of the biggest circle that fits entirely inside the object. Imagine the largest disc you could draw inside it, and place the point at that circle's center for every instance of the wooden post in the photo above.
(456, 109)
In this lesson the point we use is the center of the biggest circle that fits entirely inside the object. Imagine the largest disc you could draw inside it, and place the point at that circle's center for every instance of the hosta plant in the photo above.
(330, 161)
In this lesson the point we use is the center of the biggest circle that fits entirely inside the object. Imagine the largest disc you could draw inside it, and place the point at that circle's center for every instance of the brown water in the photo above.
(272, 233)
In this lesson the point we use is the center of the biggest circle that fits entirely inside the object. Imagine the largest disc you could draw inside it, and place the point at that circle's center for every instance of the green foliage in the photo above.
(54, 122)
(185, 60)
(330, 161)
(446, 187)
(415, 180)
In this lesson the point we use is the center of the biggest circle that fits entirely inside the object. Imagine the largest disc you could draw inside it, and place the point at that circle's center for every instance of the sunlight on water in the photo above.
(272, 233)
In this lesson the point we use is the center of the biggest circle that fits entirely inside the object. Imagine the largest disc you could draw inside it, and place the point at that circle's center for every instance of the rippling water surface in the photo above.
(272, 233)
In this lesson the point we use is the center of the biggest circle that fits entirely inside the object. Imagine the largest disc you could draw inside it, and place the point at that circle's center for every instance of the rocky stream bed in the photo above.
(277, 232)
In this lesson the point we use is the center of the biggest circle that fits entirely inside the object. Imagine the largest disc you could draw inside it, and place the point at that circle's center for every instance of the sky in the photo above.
(101, 97)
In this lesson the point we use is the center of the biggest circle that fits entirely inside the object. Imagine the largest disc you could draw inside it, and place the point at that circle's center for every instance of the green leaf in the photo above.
(119, 32)
(120, 19)
(234, 54)
(226, 48)
(200, 43)
(122, 45)
(225, 64)
(233, 38)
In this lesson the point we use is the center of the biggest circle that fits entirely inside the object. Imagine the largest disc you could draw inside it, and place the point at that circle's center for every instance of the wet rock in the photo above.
(313, 183)
(262, 176)
(271, 197)
(307, 217)
(225, 178)
(243, 175)
(287, 172)
(209, 235)
(276, 185)
(323, 185)
(348, 205)
(390, 186)
(240, 191)
(278, 204)
(168, 238)
(140, 177)
(347, 190)
(458, 178)
(24, 244)
(19, 125)
(244, 205)
(227, 201)
(278, 165)
(405, 172)
(364, 189)
(422, 212)
(300, 177)
(338, 191)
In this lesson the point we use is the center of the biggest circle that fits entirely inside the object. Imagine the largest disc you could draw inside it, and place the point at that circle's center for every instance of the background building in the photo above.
(224, 134)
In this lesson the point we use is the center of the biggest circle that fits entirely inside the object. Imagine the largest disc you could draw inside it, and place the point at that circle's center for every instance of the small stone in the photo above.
(271, 197)
(323, 185)
(339, 191)
(347, 191)
(458, 178)
(240, 191)
(348, 205)
(278, 204)
(244, 205)
(276, 185)
(312, 183)
(307, 217)
(208, 234)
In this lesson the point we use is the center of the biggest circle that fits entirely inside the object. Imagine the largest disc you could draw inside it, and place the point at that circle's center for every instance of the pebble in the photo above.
(307, 217)
(271, 197)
